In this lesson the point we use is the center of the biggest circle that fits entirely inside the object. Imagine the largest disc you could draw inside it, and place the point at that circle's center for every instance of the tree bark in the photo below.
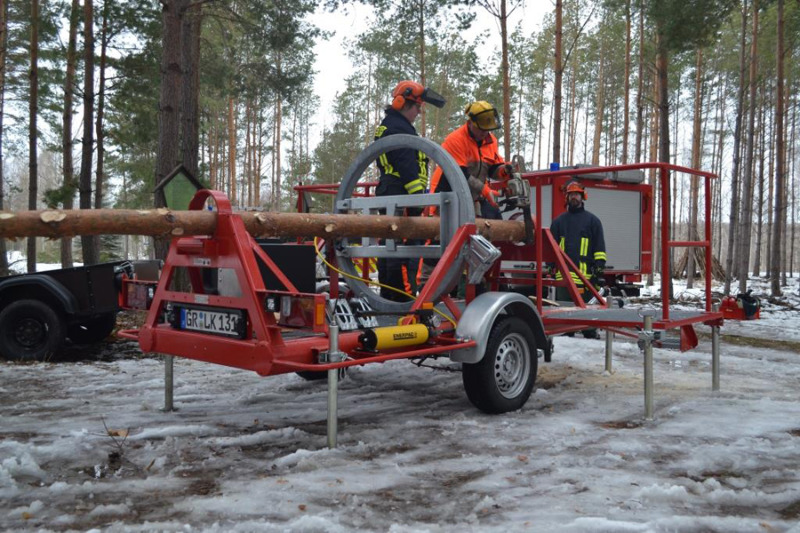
(33, 112)
(169, 101)
(697, 156)
(599, 111)
(746, 220)
(662, 66)
(627, 90)
(640, 91)
(66, 122)
(101, 100)
(91, 251)
(737, 132)
(506, 81)
(779, 213)
(3, 54)
(558, 71)
(190, 88)
(166, 223)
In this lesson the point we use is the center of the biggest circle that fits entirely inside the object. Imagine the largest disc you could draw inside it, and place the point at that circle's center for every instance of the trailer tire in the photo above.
(93, 330)
(503, 379)
(319, 375)
(30, 330)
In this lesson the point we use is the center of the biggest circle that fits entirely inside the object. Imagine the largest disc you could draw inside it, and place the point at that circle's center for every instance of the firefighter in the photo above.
(580, 234)
(403, 171)
(474, 149)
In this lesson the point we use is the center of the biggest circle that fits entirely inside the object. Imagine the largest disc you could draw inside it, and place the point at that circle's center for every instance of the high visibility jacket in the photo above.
(580, 234)
(465, 150)
(404, 168)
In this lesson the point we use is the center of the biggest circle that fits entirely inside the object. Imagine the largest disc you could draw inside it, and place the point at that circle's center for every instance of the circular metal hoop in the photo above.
(461, 207)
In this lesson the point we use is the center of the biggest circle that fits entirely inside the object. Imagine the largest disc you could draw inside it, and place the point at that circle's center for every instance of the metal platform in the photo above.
(627, 318)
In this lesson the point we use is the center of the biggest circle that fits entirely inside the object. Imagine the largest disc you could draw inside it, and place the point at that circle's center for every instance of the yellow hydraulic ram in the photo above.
(394, 337)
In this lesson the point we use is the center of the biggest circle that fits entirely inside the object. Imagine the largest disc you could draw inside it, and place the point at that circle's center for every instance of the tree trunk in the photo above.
(599, 111)
(746, 220)
(3, 54)
(278, 126)
(66, 134)
(232, 151)
(640, 91)
(627, 90)
(101, 99)
(190, 87)
(734, 210)
(762, 155)
(91, 252)
(506, 81)
(168, 223)
(33, 112)
(697, 157)
(653, 180)
(169, 101)
(558, 71)
(662, 66)
(779, 213)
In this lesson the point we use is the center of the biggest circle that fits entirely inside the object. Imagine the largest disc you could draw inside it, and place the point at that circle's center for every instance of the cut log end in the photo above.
(52, 216)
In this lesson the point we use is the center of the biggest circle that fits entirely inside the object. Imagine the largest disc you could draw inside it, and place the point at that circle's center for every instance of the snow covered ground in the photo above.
(244, 453)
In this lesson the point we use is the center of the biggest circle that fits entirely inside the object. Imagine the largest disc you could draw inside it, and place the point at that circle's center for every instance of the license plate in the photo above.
(229, 323)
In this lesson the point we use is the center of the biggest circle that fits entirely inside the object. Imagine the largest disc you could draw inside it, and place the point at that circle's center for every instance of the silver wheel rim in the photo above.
(512, 365)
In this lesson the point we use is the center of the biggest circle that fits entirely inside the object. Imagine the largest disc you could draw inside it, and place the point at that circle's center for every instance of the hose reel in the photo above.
(455, 210)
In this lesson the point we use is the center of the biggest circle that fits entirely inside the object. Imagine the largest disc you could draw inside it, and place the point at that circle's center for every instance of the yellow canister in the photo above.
(389, 337)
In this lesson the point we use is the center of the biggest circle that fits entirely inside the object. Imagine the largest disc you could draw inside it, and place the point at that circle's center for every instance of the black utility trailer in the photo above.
(39, 310)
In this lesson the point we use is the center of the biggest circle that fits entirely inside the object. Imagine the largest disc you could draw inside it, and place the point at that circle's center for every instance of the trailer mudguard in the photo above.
(479, 316)
(45, 283)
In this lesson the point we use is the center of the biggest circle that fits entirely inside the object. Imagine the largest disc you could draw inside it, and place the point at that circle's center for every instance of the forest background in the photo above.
(100, 100)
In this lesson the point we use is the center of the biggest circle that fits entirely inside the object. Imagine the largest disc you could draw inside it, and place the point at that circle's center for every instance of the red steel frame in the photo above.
(264, 348)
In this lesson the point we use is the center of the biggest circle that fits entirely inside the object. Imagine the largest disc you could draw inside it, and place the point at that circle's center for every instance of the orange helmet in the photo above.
(414, 92)
(575, 186)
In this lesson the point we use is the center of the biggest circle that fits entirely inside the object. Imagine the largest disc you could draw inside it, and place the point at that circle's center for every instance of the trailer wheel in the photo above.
(93, 330)
(319, 375)
(30, 330)
(503, 380)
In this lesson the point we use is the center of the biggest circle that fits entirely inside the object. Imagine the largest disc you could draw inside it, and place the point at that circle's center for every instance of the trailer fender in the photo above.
(477, 319)
(40, 284)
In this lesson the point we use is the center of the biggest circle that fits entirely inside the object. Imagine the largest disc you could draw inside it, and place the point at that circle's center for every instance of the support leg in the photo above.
(334, 355)
(648, 367)
(609, 349)
(715, 358)
(333, 413)
(169, 383)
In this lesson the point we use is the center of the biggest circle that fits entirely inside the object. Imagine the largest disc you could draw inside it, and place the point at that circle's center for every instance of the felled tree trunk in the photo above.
(165, 223)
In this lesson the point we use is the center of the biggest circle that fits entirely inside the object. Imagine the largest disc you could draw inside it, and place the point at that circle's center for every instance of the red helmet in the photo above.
(575, 186)
(414, 92)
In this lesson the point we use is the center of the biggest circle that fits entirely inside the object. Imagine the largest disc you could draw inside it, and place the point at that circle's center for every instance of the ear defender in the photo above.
(400, 100)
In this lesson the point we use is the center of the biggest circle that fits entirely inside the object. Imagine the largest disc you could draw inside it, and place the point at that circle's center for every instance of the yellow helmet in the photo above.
(483, 115)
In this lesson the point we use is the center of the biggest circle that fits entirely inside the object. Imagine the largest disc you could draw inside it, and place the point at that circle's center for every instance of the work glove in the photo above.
(599, 270)
(415, 186)
(502, 172)
(489, 194)
(475, 186)
(599, 267)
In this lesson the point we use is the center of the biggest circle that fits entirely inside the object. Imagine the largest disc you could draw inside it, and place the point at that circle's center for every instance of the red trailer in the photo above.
(251, 305)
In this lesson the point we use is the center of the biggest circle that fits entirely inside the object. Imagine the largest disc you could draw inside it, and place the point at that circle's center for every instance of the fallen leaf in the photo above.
(522, 458)
(118, 432)
(302, 507)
